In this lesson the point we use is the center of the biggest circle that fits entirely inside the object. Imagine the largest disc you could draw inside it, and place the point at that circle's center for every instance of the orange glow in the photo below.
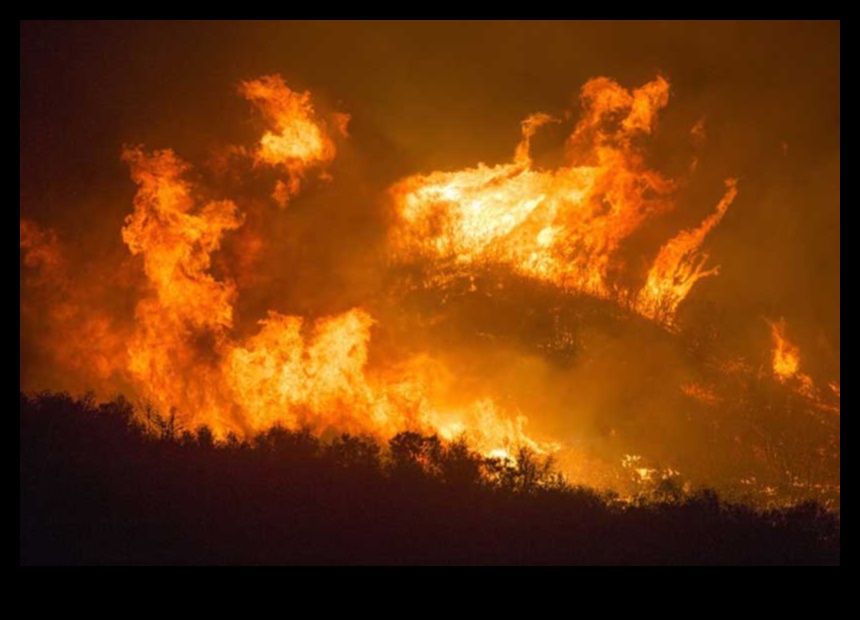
(701, 393)
(318, 379)
(84, 339)
(679, 265)
(298, 140)
(568, 225)
(786, 356)
(210, 323)
(187, 312)
(183, 356)
(786, 369)
(41, 248)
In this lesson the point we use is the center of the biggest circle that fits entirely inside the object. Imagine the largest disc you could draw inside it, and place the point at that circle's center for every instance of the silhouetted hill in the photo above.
(100, 487)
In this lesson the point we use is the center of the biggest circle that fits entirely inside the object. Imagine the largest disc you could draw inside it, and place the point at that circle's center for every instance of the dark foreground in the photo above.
(99, 489)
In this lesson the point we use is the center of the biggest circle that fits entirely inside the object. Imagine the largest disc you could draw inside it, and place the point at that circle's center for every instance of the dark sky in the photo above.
(434, 95)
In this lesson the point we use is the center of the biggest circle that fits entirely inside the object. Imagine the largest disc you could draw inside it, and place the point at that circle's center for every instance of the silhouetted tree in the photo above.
(527, 472)
(205, 438)
(459, 465)
(294, 445)
(353, 452)
(413, 453)
(100, 484)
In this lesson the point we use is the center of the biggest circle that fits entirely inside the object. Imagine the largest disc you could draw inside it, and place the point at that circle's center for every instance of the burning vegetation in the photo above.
(565, 226)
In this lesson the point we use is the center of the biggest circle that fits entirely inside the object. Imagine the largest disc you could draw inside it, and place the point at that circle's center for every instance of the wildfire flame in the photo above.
(298, 140)
(185, 319)
(786, 369)
(786, 356)
(679, 265)
(567, 225)
(184, 357)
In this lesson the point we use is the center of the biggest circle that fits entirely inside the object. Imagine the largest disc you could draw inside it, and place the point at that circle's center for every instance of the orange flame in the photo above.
(320, 381)
(786, 368)
(786, 356)
(298, 140)
(679, 265)
(183, 355)
(567, 225)
(186, 316)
